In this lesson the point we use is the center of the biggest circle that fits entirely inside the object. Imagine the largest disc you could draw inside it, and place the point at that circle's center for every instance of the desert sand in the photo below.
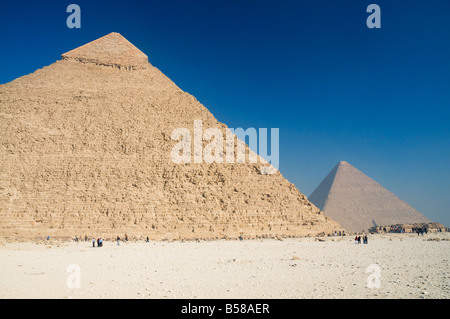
(410, 266)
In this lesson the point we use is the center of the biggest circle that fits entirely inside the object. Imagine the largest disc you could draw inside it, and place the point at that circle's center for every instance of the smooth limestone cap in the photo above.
(111, 50)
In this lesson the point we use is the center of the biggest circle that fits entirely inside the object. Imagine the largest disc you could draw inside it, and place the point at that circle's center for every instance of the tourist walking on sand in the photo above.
(148, 239)
(93, 242)
(356, 239)
(118, 239)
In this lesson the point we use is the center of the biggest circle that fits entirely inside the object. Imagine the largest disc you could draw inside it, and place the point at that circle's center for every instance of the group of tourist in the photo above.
(420, 229)
(365, 239)
(99, 242)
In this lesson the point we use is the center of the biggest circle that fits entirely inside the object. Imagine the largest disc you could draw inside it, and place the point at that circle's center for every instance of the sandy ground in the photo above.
(409, 267)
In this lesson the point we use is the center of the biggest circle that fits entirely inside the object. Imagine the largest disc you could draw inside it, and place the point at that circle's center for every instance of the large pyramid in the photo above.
(357, 202)
(86, 150)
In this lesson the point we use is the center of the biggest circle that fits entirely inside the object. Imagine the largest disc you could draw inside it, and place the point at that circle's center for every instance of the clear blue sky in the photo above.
(337, 90)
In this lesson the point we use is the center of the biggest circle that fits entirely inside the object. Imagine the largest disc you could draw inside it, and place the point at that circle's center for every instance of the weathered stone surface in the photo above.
(358, 203)
(85, 149)
(111, 50)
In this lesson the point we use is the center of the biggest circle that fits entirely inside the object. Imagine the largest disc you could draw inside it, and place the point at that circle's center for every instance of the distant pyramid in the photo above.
(85, 149)
(357, 202)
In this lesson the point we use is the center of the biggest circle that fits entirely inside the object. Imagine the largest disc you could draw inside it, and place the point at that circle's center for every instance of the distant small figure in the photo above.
(118, 240)
(359, 239)
(93, 242)
(356, 239)
(365, 239)
(126, 237)
(148, 239)
(48, 237)
(100, 242)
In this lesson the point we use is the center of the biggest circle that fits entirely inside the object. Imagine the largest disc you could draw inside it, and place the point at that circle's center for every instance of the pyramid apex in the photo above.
(110, 50)
(342, 164)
